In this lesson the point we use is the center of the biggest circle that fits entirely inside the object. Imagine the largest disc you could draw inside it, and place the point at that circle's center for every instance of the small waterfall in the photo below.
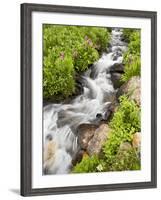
(62, 120)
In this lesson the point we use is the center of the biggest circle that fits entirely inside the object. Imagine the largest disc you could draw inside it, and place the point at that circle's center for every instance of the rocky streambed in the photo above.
(81, 126)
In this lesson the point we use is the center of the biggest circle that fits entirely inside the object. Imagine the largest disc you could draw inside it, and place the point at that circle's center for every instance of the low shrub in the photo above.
(67, 49)
(125, 122)
(88, 164)
(132, 57)
(127, 32)
(132, 66)
(125, 160)
(59, 78)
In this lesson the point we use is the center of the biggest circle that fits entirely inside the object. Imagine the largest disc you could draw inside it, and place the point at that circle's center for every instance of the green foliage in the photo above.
(125, 122)
(127, 32)
(67, 49)
(86, 55)
(88, 164)
(59, 78)
(123, 160)
(132, 66)
(134, 44)
(126, 160)
(132, 60)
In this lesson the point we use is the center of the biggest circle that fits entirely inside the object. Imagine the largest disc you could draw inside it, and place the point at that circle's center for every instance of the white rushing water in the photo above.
(62, 120)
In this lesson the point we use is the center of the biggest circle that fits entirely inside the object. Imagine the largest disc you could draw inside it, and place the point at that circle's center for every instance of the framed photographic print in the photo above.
(88, 99)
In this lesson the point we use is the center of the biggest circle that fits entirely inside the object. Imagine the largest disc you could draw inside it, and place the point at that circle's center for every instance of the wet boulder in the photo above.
(79, 86)
(116, 79)
(111, 107)
(78, 157)
(132, 88)
(109, 97)
(117, 67)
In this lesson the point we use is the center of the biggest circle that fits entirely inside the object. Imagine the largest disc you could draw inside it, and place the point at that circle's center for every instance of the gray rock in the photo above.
(132, 88)
(117, 68)
(110, 97)
(100, 136)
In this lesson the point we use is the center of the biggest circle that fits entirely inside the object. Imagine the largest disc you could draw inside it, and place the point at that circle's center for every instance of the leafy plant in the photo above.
(123, 160)
(126, 160)
(125, 122)
(88, 164)
(134, 44)
(127, 32)
(132, 66)
(132, 60)
(67, 49)
(59, 78)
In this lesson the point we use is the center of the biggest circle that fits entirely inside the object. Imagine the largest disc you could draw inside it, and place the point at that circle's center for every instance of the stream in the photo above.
(62, 120)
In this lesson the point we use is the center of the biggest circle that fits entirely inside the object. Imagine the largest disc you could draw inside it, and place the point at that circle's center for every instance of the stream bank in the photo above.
(79, 127)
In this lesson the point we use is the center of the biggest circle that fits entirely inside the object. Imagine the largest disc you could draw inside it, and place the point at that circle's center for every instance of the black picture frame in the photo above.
(26, 95)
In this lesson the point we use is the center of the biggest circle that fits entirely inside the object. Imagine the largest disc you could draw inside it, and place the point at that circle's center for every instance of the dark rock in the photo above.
(78, 89)
(100, 136)
(132, 88)
(116, 79)
(79, 86)
(116, 55)
(117, 68)
(88, 72)
(99, 115)
(85, 132)
(93, 73)
(78, 157)
(49, 137)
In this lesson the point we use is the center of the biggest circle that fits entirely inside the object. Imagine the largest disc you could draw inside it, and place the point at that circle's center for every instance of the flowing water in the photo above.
(61, 120)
